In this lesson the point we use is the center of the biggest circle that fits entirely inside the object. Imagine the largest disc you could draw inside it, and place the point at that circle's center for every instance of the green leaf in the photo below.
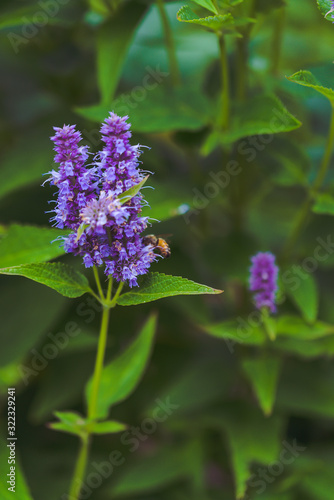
(165, 109)
(121, 376)
(157, 469)
(21, 488)
(21, 329)
(235, 332)
(207, 4)
(157, 286)
(324, 204)
(73, 423)
(166, 201)
(130, 193)
(309, 349)
(113, 42)
(70, 422)
(305, 296)
(214, 23)
(307, 388)
(296, 327)
(22, 17)
(261, 115)
(26, 161)
(60, 277)
(325, 6)
(29, 244)
(262, 373)
(107, 427)
(307, 79)
(199, 385)
(252, 438)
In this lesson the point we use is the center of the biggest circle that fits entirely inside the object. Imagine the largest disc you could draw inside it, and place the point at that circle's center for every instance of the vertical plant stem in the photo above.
(276, 49)
(173, 64)
(224, 117)
(101, 348)
(80, 469)
(81, 464)
(98, 282)
(305, 208)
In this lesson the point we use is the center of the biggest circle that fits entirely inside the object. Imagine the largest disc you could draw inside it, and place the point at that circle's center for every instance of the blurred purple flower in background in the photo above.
(263, 280)
(106, 231)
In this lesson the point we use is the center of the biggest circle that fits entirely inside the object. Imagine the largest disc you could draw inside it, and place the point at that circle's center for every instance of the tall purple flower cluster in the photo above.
(263, 280)
(105, 229)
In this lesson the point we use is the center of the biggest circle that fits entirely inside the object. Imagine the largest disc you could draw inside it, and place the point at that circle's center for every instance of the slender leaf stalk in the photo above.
(224, 116)
(305, 208)
(173, 63)
(80, 469)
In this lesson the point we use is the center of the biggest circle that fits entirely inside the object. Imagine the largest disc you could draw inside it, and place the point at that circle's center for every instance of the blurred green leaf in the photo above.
(261, 115)
(24, 16)
(23, 325)
(294, 326)
(307, 348)
(263, 372)
(73, 423)
(306, 297)
(214, 23)
(158, 286)
(70, 422)
(324, 204)
(307, 79)
(113, 43)
(252, 438)
(25, 163)
(107, 427)
(21, 490)
(199, 385)
(165, 109)
(307, 388)
(60, 277)
(154, 471)
(29, 244)
(121, 376)
(236, 331)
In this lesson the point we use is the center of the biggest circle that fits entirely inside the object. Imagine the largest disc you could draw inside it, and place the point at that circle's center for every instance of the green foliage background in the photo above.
(242, 399)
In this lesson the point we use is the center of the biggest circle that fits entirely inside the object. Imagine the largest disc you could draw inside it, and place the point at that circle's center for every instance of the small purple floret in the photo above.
(263, 280)
(104, 231)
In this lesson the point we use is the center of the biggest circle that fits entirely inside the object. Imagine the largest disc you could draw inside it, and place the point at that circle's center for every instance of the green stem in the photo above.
(224, 117)
(173, 64)
(327, 156)
(305, 208)
(276, 48)
(80, 469)
(267, 324)
(101, 349)
(98, 282)
(117, 294)
(81, 464)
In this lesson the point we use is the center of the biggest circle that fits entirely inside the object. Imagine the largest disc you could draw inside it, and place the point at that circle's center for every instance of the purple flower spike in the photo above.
(263, 280)
(104, 231)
